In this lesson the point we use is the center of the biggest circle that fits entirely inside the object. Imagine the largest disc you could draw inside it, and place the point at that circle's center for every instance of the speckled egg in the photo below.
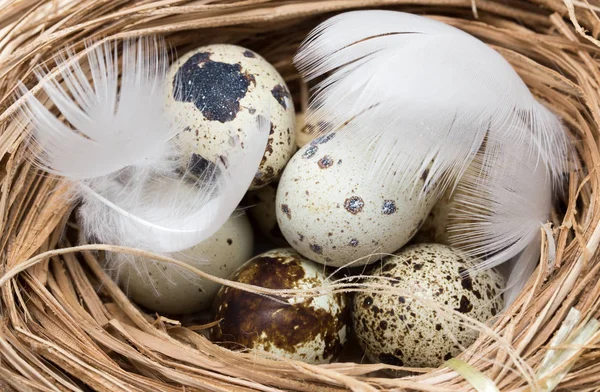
(435, 227)
(167, 289)
(402, 331)
(261, 209)
(331, 211)
(216, 91)
(447, 218)
(311, 330)
(307, 130)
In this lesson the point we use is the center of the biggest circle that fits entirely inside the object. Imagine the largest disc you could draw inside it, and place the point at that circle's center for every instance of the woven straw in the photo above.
(67, 327)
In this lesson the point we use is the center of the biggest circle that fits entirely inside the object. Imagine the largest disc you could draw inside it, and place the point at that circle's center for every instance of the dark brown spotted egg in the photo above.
(395, 329)
(216, 91)
(332, 211)
(311, 330)
(261, 209)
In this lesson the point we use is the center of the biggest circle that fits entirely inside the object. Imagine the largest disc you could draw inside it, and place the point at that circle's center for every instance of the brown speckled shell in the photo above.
(311, 330)
(401, 331)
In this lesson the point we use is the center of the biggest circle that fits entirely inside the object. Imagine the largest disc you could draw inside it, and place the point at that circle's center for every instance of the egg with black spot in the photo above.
(394, 327)
(332, 210)
(307, 329)
(215, 91)
(170, 289)
(261, 210)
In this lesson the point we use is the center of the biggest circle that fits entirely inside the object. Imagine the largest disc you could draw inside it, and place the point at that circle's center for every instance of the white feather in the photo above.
(419, 92)
(114, 128)
(519, 269)
(498, 210)
(116, 145)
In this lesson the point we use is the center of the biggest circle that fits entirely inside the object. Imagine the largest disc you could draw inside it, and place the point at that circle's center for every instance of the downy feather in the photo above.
(420, 92)
(498, 211)
(116, 144)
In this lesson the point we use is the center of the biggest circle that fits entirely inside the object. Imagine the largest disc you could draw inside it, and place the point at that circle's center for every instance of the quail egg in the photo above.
(331, 211)
(435, 227)
(261, 209)
(454, 215)
(168, 289)
(311, 330)
(402, 331)
(307, 130)
(215, 91)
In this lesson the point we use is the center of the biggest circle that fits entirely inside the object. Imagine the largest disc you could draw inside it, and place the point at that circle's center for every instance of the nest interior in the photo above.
(66, 326)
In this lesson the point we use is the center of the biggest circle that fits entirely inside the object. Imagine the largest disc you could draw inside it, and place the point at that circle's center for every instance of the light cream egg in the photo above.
(332, 211)
(216, 91)
(395, 329)
(168, 289)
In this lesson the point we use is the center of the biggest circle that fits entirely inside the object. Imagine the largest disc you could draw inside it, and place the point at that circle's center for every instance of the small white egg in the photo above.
(261, 210)
(167, 289)
(402, 331)
(311, 330)
(216, 91)
(331, 212)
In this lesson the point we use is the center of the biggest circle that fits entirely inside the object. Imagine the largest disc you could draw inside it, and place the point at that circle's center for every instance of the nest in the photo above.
(66, 326)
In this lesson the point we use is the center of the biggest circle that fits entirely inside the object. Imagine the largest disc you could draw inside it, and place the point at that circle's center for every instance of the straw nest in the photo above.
(67, 327)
